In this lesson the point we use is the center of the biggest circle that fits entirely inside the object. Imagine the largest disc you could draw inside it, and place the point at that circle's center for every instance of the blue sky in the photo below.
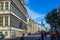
(37, 9)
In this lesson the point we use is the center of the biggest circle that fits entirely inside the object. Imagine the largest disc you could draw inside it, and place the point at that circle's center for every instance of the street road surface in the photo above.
(34, 37)
(37, 37)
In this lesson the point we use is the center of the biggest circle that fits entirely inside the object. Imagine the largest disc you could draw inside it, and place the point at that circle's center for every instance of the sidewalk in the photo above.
(17, 38)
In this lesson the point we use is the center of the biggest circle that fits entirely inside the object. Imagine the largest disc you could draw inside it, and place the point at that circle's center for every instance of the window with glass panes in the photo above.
(6, 5)
(1, 21)
(6, 21)
(1, 5)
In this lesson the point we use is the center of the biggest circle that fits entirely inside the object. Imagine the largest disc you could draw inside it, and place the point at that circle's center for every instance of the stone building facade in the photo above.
(13, 18)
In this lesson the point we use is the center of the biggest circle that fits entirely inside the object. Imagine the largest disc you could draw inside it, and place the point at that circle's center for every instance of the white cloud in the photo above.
(37, 17)
(26, 1)
(34, 15)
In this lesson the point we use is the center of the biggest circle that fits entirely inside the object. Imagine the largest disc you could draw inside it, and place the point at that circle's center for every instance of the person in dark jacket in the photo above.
(51, 36)
(42, 35)
(45, 34)
(3, 36)
(56, 35)
(22, 38)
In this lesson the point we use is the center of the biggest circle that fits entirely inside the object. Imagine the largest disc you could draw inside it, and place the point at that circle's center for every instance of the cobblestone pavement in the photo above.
(34, 37)
(37, 37)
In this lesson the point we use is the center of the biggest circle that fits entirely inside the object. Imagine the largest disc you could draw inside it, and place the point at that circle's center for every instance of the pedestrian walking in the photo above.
(39, 39)
(2, 36)
(51, 36)
(57, 35)
(42, 35)
(22, 38)
(45, 34)
(54, 38)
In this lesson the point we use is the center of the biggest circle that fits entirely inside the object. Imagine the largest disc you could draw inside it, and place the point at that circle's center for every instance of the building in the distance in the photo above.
(13, 18)
(34, 27)
(31, 27)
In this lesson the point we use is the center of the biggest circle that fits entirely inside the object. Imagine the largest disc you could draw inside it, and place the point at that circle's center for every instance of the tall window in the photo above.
(1, 5)
(6, 21)
(1, 21)
(6, 5)
(20, 25)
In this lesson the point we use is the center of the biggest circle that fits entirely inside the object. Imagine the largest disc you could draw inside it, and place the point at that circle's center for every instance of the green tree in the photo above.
(51, 18)
(58, 20)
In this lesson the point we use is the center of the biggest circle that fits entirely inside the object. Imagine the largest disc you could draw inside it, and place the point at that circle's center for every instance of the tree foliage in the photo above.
(51, 18)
